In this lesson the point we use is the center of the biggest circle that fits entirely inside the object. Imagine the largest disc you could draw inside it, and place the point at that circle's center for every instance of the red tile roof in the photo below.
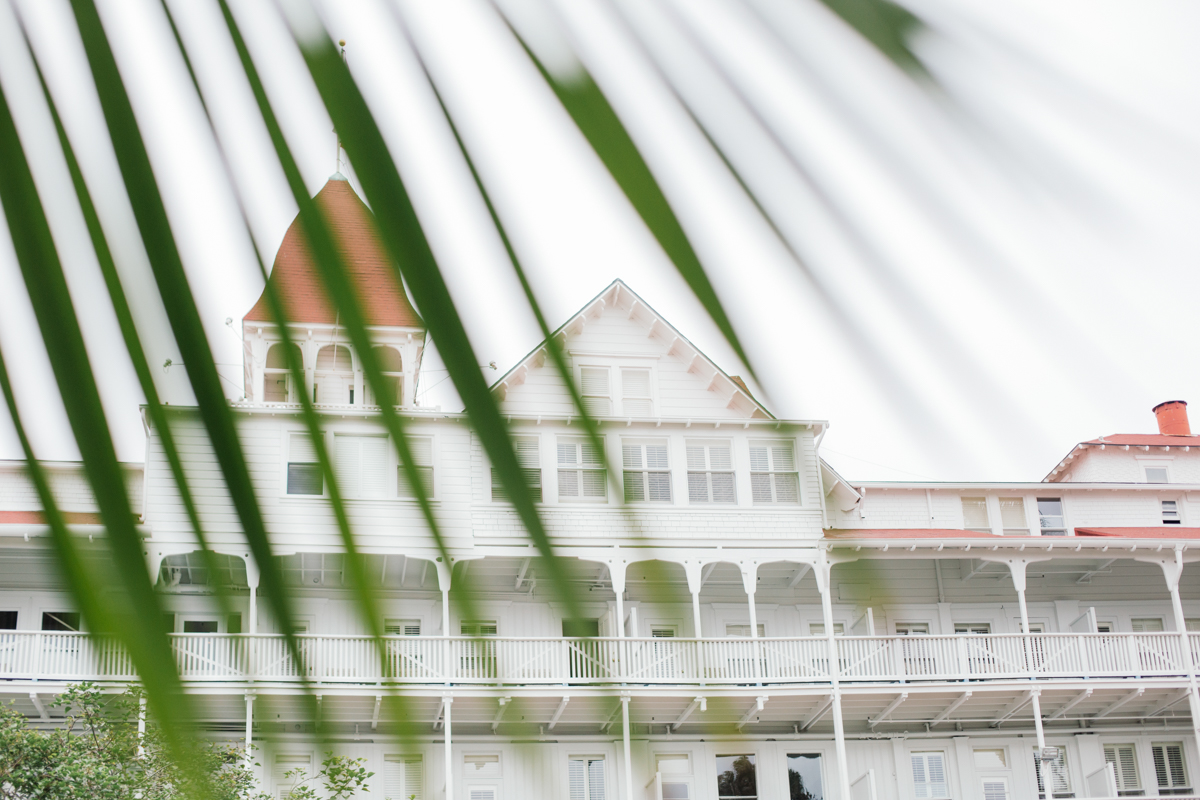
(1156, 532)
(1144, 439)
(908, 533)
(296, 278)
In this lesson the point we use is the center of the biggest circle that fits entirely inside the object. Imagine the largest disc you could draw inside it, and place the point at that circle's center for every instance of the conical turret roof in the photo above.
(298, 282)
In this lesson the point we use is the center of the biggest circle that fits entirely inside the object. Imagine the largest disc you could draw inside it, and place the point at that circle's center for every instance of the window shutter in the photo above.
(773, 477)
(348, 455)
(1062, 779)
(580, 471)
(528, 457)
(995, 789)
(975, 514)
(483, 793)
(929, 775)
(635, 393)
(403, 777)
(744, 630)
(421, 448)
(1146, 625)
(597, 398)
(1169, 766)
(374, 467)
(1121, 756)
(577, 779)
(596, 779)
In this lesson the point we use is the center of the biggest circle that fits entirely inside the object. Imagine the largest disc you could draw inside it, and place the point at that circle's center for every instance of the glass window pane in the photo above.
(736, 777)
(804, 777)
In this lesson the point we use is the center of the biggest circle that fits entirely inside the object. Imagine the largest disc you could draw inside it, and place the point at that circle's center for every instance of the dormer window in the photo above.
(277, 380)
(596, 389)
(392, 367)
(334, 376)
(1050, 516)
(636, 400)
(1156, 475)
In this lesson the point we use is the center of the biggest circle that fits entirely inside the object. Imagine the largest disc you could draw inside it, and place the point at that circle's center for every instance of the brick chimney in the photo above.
(1173, 418)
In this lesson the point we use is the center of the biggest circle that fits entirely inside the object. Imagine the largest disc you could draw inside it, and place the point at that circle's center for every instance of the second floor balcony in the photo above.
(496, 661)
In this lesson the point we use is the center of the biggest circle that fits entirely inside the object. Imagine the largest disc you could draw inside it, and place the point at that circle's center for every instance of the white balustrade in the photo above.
(267, 658)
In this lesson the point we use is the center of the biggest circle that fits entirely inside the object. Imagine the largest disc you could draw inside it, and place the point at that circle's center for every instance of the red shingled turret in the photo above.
(296, 278)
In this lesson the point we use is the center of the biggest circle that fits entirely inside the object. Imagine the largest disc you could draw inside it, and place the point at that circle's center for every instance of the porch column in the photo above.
(443, 572)
(252, 575)
(822, 572)
(1173, 571)
(249, 755)
(694, 570)
(447, 702)
(750, 584)
(616, 572)
(628, 756)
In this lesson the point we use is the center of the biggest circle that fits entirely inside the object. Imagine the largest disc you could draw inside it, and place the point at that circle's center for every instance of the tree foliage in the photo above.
(97, 754)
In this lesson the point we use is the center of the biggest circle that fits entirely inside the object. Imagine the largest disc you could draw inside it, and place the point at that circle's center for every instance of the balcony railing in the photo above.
(54, 656)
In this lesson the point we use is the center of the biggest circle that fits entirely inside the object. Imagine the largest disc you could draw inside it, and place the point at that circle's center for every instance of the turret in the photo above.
(332, 370)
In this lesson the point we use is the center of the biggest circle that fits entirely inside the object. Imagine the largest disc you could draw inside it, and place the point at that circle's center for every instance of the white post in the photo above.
(822, 571)
(616, 572)
(448, 701)
(1173, 571)
(694, 572)
(628, 755)
(252, 575)
(249, 756)
(141, 735)
(750, 584)
(444, 571)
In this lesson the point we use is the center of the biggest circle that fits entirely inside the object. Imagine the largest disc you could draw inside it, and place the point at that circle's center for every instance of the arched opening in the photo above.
(334, 379)
(191, 578)
(392, 367)
(278, 386)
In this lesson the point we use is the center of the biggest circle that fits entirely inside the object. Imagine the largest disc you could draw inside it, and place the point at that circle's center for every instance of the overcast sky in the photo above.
(1012, 252)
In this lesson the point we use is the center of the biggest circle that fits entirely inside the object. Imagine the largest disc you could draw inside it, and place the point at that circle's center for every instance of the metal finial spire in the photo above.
(337, 159)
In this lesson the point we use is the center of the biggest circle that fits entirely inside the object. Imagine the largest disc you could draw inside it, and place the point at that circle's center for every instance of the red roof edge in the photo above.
(1155, 532)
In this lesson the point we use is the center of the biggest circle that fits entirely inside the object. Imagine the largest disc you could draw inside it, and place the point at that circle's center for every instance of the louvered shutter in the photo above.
(580, 471)
(483, 793)
(738, 630)
(995, 789)
(403, 777)
(929, 775)
(596, 779)
(635, 393)
(422, 455)
(528, 457)
(773, 476)
(348, 453)
(577, 778)
(1121, 756)
(374, 467)
(594, 385)
(647, 474)
(290, 762)
(1146, 625)
(1169, 767)
(1062, 778)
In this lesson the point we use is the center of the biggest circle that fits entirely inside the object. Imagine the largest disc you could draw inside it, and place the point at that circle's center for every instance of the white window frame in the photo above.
(651, 397)
(642, 471)
(757, 778)
(1172, 787)
(996, 779)
(1165, 466)
(401, 490)
(707, 473)
(290, 390)
(404, 760)
(987, 515)
(929, 793)
(1123, 788)
(286, 448)
(1065, 530)
(485, 776)
(1063, 771)
(773, 470)
(528, 449)
(588, 760)
(579, 467)
(1178, 511)
(1023, 530)
(356, 489)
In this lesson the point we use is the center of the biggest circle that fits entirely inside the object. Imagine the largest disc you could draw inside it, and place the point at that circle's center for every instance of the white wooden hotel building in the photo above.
(766, 627)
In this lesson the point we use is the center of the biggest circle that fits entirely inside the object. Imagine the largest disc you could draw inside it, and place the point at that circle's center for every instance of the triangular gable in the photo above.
(617, 324)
